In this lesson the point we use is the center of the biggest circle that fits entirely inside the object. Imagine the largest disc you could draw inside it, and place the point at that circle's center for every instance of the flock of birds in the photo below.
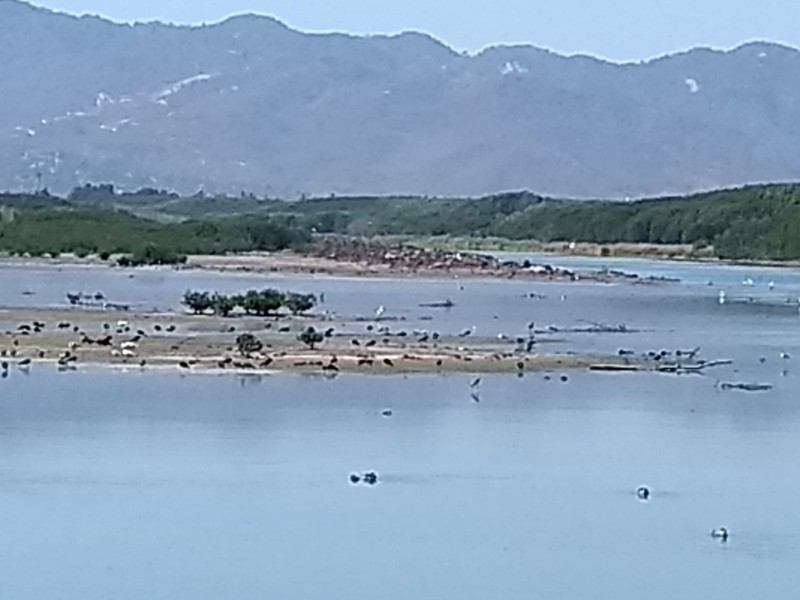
(67, 358)
(128, 349)
(722, 296)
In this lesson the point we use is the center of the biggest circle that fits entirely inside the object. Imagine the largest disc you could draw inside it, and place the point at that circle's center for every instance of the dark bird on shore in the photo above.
(157, 327)
(520, 365)
(266, 362)
(643, 493)
(467, 332)
(624, 352)
(41, 353)
(329, 332)
(106, 341)
(141, 333)
(530, 345)
(439, 362)
(388, 362)
(330, 368)
(284, 329)
(334, 359)
(184, 365)
(143, 363)
(365, 361)
(106, 326)
(355, 342)
(171, 328)
(354, 479)
(371, 343)
(24, 362)
(423, 339)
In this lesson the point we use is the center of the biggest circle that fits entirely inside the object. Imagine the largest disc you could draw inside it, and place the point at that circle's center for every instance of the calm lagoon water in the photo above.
(156, 485)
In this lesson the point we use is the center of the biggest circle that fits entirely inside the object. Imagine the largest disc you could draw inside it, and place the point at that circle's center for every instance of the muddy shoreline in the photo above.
(71, 338)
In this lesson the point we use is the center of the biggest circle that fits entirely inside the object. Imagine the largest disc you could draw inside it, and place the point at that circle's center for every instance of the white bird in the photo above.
(785, 356)
(380, 310)
(771, 285)
(721, 298)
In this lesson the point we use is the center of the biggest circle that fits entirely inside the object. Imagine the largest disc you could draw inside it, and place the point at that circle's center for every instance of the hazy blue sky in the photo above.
(615, 29)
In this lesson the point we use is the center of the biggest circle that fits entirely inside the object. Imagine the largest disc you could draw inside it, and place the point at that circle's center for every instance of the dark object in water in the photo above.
(387, 413)
(613, 368)
(745, 387)
(354, 479)
(370, 478)
(643, 493)
(445, 304)
(721, 534)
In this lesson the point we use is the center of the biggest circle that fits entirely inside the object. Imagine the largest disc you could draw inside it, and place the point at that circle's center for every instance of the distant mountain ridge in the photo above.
(250, 104)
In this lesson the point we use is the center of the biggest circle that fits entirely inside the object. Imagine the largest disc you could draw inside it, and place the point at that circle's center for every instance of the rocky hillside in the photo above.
(249, 104)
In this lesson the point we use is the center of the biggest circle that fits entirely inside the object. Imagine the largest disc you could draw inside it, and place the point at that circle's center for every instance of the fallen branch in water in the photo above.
(745, 387)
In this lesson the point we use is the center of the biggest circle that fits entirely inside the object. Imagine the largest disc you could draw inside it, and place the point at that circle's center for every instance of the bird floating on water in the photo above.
(643, 493)
(721, 534)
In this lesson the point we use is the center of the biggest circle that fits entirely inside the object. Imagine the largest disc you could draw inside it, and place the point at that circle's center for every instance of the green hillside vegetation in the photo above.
(757, 222)
(29, 225)
(753, 222)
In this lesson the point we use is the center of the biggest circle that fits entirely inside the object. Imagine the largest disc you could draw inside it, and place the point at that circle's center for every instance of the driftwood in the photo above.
(745, 387)
(691, 368)
(615, 368)
(444, 304)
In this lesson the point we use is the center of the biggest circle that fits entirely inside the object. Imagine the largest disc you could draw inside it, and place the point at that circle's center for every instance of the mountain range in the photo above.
(249, 104)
